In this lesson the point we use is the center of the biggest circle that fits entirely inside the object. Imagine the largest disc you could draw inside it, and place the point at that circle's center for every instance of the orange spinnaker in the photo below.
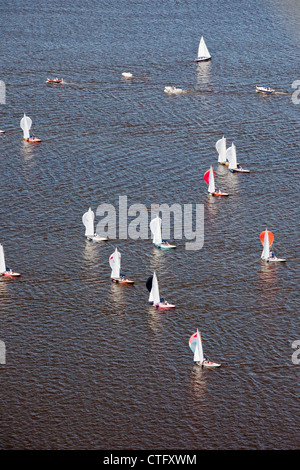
(206, 176)
(262, 237)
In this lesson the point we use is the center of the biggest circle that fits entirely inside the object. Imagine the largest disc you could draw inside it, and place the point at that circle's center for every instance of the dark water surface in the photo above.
(89, 365)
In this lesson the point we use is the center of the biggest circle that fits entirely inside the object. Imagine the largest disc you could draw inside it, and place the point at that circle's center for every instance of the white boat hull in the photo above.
(165, 247)
(261, 89)
(203, 59)
(239, 170)
(163, 306)
(96, 238)
(275, 260)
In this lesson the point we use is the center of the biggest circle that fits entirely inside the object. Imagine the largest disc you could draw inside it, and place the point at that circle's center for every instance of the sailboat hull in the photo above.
(219, 194)
(165, 247)
(163, 306)
(275, 260)
(211, 364)
(33, 140)
(239, 170)
(10, 274)
(96, 238)
(202, 59)
(122, 281)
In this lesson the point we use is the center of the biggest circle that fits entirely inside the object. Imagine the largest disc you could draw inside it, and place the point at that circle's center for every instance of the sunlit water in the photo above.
(89, 365)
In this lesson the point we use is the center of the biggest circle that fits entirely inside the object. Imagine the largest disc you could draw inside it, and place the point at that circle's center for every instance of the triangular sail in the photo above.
(231, 157)
(155, 227)
(88, 222)
(221, 149)
(154, 294)
(115, 264)
(266, 250)
(2, 260)
(26, 124)
(198, 354)
(211, 184)
(202, 50)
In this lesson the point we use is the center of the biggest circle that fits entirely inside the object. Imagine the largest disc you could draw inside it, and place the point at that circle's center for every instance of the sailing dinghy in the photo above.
(233, 166)
(115, 264)
(4, 270)
(267, 239)
(195, 343)
(155, 227)
(25, 125)
(154, 298)
(88, 221)
(203, 53)
(209, 178)
(221, 149)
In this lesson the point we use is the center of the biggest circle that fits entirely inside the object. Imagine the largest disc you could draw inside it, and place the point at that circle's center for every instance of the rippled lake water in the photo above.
(89, 365)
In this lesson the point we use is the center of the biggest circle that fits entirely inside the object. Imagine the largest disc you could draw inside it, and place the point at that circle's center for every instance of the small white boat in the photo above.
(209, 178)
(233, 166)
(221, 149)
(203, 52)
(127, 75)
(172, 90)
(2, 132)
(55, 80)
(195, 343)
(88, 221)
(264, 89)
(4, 270)
(115, 264)
(25, 125)
(155, 227)
(154, 297)
(266, 239)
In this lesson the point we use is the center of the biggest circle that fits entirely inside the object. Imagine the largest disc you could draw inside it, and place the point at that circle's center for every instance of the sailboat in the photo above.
(203, 53)
(25, 125)
(195, 343)
(88, 221)
(221, 149)
(154, 297)
(233, 166)
(209, 178)
(267, 238)
(4, 270)
(115, 264)
(155, 227)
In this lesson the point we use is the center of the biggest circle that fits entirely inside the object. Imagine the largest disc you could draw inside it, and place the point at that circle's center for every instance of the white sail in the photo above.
(211, 181)
(2, 260)
(198, 354)
(266, 250)
(154, 294)
(155, 227)
(26, 124)
(231, 157)
(115, 264)
(88, 221)
(203, 52)
(221, 149)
